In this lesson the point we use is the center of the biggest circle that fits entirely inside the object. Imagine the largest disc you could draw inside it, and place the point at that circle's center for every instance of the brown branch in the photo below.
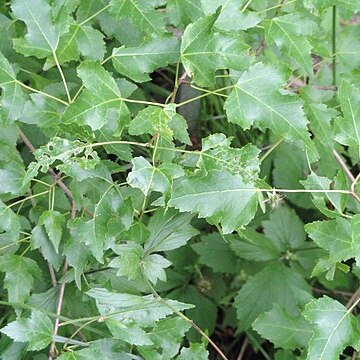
(348, 173)
(243, 349)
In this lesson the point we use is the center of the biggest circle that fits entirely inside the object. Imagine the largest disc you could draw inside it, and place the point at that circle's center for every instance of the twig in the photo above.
(52, 351)
(354, 299)
(349, 175)
(243, 348)
(340, 160)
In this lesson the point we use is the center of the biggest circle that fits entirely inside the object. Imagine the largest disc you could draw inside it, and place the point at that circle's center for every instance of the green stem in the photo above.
(334, 45)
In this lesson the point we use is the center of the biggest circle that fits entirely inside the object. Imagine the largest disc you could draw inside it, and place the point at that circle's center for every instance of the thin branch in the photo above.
(243, 348)
(340, 160)
(62, 76)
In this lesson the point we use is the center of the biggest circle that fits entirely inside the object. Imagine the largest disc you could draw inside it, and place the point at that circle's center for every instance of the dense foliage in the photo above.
(179, 179)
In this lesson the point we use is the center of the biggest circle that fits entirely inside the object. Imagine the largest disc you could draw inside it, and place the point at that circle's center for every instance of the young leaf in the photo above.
(285, 331)
(257, 98)
(334, 329)
(219, 196)
(37, 330)
(194, 352)
(53, 222)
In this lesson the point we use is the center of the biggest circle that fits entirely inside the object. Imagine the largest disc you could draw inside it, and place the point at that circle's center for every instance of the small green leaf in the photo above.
(334, 329)
(53, 222)
(37, 330)
(9, 230)
(194, 352)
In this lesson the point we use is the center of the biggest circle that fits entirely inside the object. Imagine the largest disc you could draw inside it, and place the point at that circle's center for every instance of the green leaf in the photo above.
(289, 33)
(347, 129)
(164, 122)
(283, 330)
(53, 222)
(79, 41)
(13, 99)
(194, 352)
(146, 177)
(99, 103)
(40, 240)
(20, 273)
(42, 36)
(218, 154)
(254, 246)
(167, 335)
(258, 99)
(231, 17)
(334, 329)
(183, 12)
(216, 253)
(37, 330)
(285, 229)
(9, 230)
(138, 62)
(141, 13)
(276, 283)
(169, 230)
(219, 196)
(125, 307)
(203, 51)
(340, 237)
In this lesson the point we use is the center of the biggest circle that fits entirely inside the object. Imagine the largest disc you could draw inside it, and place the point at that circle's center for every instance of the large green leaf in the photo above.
(138, 62)
(289, 33)
(341, 237)
(20, 273)
(219, 196)
(99, 103)
(285, 331)
(231, 17)
(141, 13)
(258, 99)
(36, 331)
(203, 51)
(334, 329)
(275, 284)
(42, 36)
